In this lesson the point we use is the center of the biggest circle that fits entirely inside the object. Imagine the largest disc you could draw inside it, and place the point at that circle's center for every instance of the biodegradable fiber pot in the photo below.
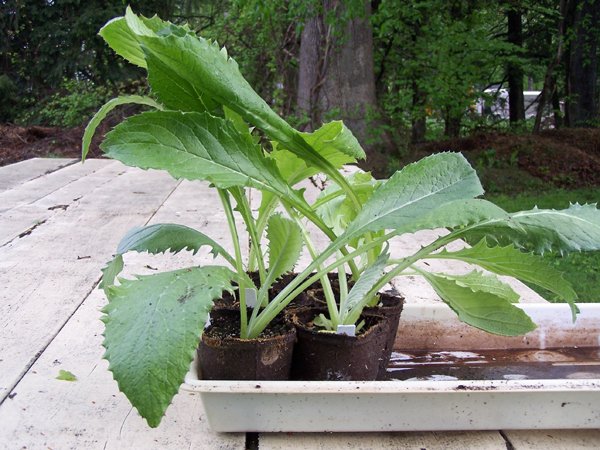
(329, 356)
(224, 356)
(390, 307)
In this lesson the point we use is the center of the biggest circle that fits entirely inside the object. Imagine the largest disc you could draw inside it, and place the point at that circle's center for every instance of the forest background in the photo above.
(407, 77)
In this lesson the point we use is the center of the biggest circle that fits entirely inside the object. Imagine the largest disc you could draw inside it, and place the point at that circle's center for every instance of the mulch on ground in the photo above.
(20, 143)
(568, 158)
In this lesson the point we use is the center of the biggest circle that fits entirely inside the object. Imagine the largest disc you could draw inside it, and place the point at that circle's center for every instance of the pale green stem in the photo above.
(246, 213)
(297, 285)
(239, 261)
(327, 290)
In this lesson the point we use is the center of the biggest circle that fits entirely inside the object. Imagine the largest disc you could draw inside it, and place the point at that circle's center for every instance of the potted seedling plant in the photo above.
(203, 126)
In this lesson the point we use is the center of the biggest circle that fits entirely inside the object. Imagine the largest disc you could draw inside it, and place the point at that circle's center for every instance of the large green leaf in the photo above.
(414, 192)
(90, 129)
(285, 245)
(152, 328)
(123, 41)
(195, 146)
(174, 91)
(210, 71)
(160, 238)
(512, 262)
(213, 75)
(482, 310)
(480, 282)
(575, 228)
(457, 214)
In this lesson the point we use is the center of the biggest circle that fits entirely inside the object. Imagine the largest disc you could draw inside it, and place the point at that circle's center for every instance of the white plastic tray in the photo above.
(272, 406)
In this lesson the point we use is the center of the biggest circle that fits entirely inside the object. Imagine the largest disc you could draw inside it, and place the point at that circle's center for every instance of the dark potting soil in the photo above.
(228, 326)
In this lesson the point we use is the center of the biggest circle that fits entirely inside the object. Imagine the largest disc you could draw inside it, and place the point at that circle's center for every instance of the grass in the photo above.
(582, 270)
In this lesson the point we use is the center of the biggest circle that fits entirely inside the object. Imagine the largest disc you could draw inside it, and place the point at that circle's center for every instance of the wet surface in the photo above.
(549, 364)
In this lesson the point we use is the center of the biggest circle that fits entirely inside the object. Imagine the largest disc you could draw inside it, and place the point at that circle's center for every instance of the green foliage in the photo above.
(74, 103)
(8, 98)
(481, 309)
(153, 325)
(581, 270)
(285, 245)
(414, 192)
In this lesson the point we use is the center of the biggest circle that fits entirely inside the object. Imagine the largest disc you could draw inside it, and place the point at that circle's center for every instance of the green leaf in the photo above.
(333, 141)
(514, 263)
(482, 310)
(123, 41)
(122, 34)
(195, 146)
(352, 306)
(334, 207)
(285, 245)
(65, 375)
(159, 238)
(90, 129)
(162, 237)
(575, 228)
(210, 71)
(480, 282)
(414, 192)
(110, 272)
(173, 90)
(152, 328)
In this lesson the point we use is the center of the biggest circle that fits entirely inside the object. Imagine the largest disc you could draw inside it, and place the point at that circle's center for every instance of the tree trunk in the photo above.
(309, 76)
(516, 101)
(419, 123)
(582, 68)
(336, 76)
(549, 79)
(452, 124)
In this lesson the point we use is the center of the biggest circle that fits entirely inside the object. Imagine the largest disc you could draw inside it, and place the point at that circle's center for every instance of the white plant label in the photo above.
(349, 330)
(250, 298)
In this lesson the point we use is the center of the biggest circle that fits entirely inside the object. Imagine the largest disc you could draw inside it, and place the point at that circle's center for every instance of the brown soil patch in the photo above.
(20, 143)
(568, 158)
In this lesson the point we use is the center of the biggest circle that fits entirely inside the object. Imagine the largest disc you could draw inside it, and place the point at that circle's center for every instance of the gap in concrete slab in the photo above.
(509, 445)
(251, 441)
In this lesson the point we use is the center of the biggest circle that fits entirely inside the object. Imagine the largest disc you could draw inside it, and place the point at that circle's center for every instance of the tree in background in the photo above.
(514, 70)
(582, 17)
(336, 76)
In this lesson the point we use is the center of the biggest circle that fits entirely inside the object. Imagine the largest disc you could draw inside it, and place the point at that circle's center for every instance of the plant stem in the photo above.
(334, 315)
(224, 195)
(301, 282)
(246, 212)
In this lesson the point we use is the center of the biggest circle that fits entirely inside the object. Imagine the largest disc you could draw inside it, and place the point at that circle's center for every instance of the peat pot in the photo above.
(322, 355)
(390, 307)
(222, 355)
